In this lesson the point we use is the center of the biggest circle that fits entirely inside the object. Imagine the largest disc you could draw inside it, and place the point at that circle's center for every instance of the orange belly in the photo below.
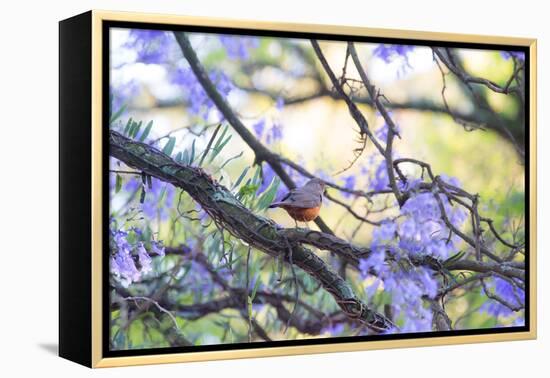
(302, 215)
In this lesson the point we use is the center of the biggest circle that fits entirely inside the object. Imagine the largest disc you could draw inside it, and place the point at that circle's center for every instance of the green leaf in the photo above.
(209, 144)
(219, 148)
(268, 196)
(454, 258)
(185, 157)
(192, 155)
(249, 306)
(118, 184)
(117, 115)
(131, 129)
(128, 126)
(169, 147)
(142, 195)
(145, 132)
(227, 264)
(221, 137)
(248, 189)
(241, 177)
(256, 180)
(255, 289)
(136, 128)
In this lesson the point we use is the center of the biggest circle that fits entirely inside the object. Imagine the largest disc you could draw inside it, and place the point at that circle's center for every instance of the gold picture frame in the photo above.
(92, 25)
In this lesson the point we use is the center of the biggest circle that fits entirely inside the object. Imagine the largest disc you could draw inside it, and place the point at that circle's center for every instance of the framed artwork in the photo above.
(235, 189)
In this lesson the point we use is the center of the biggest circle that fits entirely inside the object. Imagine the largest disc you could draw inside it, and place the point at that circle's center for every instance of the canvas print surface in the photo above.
(268, 189)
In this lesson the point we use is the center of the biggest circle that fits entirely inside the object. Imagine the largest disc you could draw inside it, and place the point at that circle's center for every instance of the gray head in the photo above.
(316, 184)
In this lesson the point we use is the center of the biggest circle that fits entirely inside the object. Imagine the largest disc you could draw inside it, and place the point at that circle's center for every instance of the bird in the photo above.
(303, 204)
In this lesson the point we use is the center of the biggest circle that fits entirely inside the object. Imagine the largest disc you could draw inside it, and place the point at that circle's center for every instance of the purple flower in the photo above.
(122, 93)
(422, 231)
(143, 258)
(375, 261)
(199, 103)
(129, 258)
(239, 47)
(259, 128)
(407, 228)
(150, 45)
(157, 248)
(388, 52)
(511, 293)
(384, 233)
(275, 133)
(349, 183)
(121, 263)
(427, 281)
(279, 104)
(513, 54)
(334, 329)
(380, 180)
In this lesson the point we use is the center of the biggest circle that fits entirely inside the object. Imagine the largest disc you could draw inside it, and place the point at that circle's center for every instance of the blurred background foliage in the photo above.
(279, 91)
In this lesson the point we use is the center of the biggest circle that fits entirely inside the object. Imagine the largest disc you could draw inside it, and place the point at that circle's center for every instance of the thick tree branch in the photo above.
(261, 152)
(253, 229)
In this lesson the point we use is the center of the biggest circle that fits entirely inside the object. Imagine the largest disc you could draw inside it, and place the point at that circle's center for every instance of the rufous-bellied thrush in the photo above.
(303, 204)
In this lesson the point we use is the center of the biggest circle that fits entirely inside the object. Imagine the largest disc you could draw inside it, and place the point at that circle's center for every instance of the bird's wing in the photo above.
(302, 198)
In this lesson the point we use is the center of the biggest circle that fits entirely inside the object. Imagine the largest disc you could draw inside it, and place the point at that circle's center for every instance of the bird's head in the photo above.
(317, 184)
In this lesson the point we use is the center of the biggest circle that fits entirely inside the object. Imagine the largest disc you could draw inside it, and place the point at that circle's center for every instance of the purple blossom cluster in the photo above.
(513, 54)
(388, 52)
(150, 46)
(512, 294)
(122, 94)
(349, 183)
(423, 232)
(382, 132)
(129, 257)
(159, 199)
(406, 284)
(238, 46)
(270, 130)
(418, 231)
(198, 101)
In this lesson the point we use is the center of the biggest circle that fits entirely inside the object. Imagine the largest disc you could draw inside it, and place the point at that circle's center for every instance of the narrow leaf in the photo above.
(192, 155)
(241, 177)
(255, 289)
(118, 184)
(209, 144)
(220, 139)
(268, 196)
(169, 147)
(219, 149)
(115, 116)
(145, 132)
(128, 125)
(249, 306)
(185, 157)
(135, 130)
(142, 195)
